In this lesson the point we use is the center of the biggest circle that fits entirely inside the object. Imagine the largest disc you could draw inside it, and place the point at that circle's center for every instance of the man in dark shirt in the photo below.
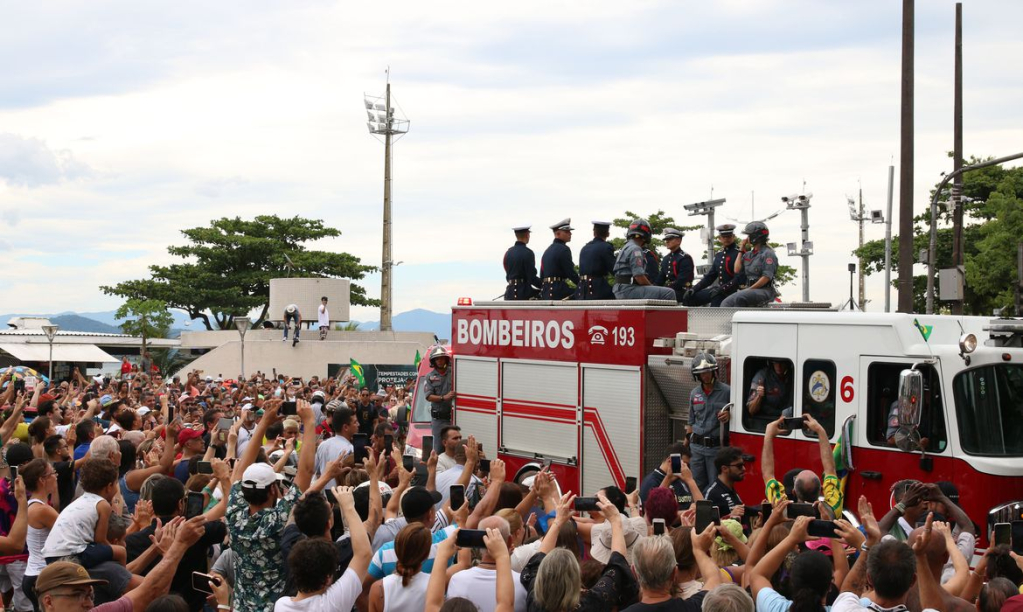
(520, 268)
(556, 267)
(365, 412)
(682, 485)
(59, 454)
(731, 469)
(169, 502)
(314, 518)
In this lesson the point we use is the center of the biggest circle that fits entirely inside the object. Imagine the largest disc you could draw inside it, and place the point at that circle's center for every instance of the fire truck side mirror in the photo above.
(911, 388)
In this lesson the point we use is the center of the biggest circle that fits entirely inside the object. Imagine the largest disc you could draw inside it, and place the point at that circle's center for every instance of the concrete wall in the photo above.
(310, 357)
(213, 339)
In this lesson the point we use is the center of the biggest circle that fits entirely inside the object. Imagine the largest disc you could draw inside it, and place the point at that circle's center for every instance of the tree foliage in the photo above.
(145, 318)
(992, 227)
(227, 267)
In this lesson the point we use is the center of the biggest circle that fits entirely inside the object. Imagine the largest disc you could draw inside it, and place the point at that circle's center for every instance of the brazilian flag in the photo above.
(418, 359)
(357, 371)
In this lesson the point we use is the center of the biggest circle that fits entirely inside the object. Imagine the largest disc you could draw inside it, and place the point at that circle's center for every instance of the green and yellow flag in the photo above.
(418, 359)
(925, 330)
(357, 371)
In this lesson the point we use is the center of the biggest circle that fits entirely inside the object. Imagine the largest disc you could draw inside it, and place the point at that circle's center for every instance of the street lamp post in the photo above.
(51, 333)
(243, 324)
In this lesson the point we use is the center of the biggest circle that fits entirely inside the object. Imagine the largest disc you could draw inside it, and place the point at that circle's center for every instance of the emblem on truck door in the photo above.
(598, 334)
(820, 386)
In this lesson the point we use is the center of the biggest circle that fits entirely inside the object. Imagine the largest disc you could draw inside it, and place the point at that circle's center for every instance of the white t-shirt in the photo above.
(74, 528)
(849, 602)
(322, 316)
(329, 450)
(340, 596)
(444, 462)
(479, 585)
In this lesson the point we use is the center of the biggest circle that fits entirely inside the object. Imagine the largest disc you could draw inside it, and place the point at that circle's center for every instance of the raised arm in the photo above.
(307, 455)
(827, 455)
(610, 512)
(760, 577)
(157, 581)
(361, 547)
(252, 450)
(550, 539)
(856, 581)
(498, 549)
(7, 429)
(14, 542)
(767, 456)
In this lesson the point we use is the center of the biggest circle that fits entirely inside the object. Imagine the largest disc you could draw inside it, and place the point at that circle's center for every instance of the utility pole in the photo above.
(706, 208)
(857, 214)
(906, 163)
(888, 243)
(957, 153)
(385, 124)
(802, 204)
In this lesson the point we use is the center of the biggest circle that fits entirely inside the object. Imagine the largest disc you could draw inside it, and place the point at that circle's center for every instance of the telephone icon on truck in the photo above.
(598, 334)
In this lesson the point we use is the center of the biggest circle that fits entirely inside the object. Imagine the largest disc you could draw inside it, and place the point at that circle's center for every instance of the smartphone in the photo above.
(360, 441)
(296, 383)
(201, 582)
(1017, 537)
(659, 528)
(408, 462)
(547, 464)
(388, 443)
(479, 447)
(484, 466)
(1003, 534)
(676, 463)
(225, 423)
(794, 423)
(427, 447)
(289, 408)
(706, 514)
(330, 497)
(457, 496)
(204, 467)
(800, 509)
(193, 507)
(586, 504)
(470, 538)
(822, 529)
(630, 485)
(14, 473)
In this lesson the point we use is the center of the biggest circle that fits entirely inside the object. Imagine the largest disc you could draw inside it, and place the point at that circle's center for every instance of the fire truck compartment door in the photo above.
(476, 406)
(540, 409)
(612, 425)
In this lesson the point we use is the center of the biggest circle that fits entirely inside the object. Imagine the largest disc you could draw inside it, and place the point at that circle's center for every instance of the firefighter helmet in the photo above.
(640, 227)
(757, 232)
(704, 362)
(437, 352)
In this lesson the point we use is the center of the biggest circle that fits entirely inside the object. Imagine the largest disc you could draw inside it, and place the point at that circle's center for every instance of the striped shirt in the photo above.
(386, 560)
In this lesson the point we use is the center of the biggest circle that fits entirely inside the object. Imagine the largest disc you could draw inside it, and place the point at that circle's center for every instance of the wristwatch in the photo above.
(864, 547)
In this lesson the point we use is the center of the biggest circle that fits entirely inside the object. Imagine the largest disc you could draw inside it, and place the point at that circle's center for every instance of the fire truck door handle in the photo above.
(871, 475)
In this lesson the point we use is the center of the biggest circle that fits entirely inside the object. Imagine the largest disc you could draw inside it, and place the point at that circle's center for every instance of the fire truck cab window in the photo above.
(819, 392)
(768, 385)
(882, 402)
(989, 407)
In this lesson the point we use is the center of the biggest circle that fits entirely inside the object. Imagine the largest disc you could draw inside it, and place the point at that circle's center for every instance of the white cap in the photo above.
(521, 228)
(259, 476)
(247, 406)
(563, 225)
(144, 410)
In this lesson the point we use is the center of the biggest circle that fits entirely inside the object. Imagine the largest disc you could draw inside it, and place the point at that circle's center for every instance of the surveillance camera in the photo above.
(785, 198)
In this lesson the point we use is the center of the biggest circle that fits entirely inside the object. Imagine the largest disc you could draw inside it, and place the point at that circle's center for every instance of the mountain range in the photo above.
(105, 322)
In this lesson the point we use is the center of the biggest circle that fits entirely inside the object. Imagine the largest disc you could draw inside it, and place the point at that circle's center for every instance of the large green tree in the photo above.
(992, 227)
(227, 267)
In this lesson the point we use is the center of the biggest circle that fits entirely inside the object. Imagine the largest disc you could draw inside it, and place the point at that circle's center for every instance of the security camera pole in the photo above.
(802, 204)
(706, 208)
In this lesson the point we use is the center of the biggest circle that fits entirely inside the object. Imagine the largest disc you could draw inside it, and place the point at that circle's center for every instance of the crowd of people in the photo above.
(275, 493)
(739, 275)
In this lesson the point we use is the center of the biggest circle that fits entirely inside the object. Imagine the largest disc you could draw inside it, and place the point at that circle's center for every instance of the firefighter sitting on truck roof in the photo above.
(632, 281)
(722, 270)
(808, 487)
(556, 267)
(707, 418)
(683, 485)
(520, 268)
(677, 267)
(596, 261)
(439, 390)
(759, 264)
(770, 392)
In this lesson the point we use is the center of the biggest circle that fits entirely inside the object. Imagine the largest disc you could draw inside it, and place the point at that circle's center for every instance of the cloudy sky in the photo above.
(122, 123)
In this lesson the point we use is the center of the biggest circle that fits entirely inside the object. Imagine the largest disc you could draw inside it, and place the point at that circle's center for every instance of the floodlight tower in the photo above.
(802, 204)
(706, 208)
(382, 122)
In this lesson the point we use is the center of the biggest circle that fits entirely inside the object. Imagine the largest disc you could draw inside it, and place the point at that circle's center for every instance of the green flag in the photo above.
(418, 359)
(925, 330)
(357, 371)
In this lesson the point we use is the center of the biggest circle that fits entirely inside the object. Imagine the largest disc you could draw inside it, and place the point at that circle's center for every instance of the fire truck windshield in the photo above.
(989, 409)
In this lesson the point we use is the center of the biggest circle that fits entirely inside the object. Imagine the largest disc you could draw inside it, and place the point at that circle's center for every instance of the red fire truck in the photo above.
(601, 388)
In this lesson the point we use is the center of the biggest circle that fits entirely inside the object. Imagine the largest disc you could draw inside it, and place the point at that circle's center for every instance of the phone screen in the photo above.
(794, 423)
(705, 512)
(484, 466)
(630, 484)
(194, 505)
(1003, 534)
(289, 408)
(225, 423)
(658, 526)
(470, 538)
(800, 509)
(360, 441)
(14, 473)
(388, 443)
(427, 447)
(676, 463)
(330, 497)
(457, 496)
(1017, 537)
(201, 582)
(204, 467)
(821, 529)
(586, 504)
(408, 462)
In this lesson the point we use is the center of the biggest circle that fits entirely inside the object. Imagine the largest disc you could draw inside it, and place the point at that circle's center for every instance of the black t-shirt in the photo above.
(367, 415)
(196, 558)
(292, 536)
(65, 482)
(693, 604)
(723, 497)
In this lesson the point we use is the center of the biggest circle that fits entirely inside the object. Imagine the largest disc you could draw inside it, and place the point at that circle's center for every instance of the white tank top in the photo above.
(35, 538)
(406, 599)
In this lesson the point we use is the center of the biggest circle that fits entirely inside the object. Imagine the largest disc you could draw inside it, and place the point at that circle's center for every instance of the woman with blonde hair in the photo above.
(405, 589)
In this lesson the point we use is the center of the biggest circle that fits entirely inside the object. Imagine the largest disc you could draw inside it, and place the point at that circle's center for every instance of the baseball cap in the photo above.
(144, 410)
(188, 434)
(63, 573)
(417, 501)
(259, 476)
(106, 400)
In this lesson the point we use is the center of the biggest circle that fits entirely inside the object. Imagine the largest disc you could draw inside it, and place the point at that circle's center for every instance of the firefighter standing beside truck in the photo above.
(677, 267)
(439, 391)
(556, 267)
(596, 260)
(631, 279)
(722, 270)
(707, 412)
(520, 268)
(759, 264)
